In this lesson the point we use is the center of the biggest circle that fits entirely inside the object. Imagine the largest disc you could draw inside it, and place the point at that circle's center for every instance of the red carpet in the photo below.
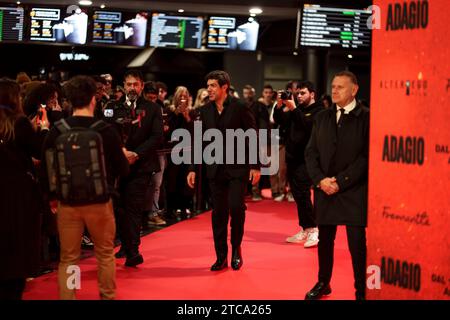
(177, 261)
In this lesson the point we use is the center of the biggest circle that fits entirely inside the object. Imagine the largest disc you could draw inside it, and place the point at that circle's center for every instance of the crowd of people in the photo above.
(135, 120)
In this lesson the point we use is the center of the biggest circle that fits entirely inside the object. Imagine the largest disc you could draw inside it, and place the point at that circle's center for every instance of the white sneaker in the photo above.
(290, 197)
(279, 198)
(312, 238)
(299, 237)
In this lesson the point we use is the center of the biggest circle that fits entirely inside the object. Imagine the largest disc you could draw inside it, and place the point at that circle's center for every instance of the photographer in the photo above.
(298, 121)
(279, 181)
(140, 124)
(101, 97)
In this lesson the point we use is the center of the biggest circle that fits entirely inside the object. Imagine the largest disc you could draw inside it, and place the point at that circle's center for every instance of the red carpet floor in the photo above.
(177, 261)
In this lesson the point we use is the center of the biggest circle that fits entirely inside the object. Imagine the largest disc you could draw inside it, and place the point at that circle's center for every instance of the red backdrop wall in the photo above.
(409, 190)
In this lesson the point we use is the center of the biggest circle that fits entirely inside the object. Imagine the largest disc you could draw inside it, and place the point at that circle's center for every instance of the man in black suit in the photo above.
(140, 124)
(337, 162)
(228, 182)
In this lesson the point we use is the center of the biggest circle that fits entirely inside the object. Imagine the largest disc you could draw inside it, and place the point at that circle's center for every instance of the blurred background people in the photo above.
(20, 202)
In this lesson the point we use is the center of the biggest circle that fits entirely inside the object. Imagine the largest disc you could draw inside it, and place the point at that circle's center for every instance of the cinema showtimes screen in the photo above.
(326, 26)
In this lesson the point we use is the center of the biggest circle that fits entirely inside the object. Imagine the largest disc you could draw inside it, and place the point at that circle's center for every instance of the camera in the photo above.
(40, 113)
(285, 95)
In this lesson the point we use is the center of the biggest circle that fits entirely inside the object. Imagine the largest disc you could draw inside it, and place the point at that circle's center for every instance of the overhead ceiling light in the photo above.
(255, 11)
(102, 6)
(350, 56)
(18, 2)
(180, 10)
(85, 2)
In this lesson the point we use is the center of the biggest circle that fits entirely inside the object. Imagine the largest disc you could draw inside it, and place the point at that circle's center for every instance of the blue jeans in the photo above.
(155, 186)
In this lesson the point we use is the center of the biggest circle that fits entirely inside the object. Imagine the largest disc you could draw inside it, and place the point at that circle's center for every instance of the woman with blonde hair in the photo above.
(201, 99)
(178, 193)
(180, 102)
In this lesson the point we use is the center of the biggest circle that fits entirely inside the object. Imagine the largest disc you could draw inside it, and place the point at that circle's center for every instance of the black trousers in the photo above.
(129, 211)
(356, 238)
(301, 190)
(11, 289)
(228, 196)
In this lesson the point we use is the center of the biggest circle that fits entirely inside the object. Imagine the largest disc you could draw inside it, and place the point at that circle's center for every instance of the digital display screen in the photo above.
(121, 28)
(334, 27)
(176, 32)
(232, 33)
(11, 24)
(56, 25)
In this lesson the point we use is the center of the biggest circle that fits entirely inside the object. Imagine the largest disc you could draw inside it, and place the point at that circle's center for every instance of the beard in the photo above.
(132, 95)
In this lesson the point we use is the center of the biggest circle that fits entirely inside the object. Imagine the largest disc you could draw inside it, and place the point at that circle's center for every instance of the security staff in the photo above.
(337, 162)
(140, 125)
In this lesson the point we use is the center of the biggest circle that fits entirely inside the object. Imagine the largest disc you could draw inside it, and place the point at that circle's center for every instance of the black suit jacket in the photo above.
(344, 155)
(235, 115)
(144, 135)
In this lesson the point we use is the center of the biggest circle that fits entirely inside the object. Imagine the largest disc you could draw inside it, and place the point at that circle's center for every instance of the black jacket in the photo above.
(261, 115)
(235, 115)
(20, 205)
(141, 130)
(342, 154)
(298, 124)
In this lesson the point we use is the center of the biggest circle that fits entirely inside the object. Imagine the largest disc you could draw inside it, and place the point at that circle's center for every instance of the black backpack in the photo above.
(76, 167)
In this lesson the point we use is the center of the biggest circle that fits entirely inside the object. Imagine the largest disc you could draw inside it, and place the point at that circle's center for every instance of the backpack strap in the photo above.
(99, 125)
(62, 126)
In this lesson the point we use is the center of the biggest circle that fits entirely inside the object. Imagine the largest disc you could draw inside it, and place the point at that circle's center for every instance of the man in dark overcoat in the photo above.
(337, 162)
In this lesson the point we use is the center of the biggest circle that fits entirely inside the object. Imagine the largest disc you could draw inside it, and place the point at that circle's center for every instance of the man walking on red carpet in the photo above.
(228, 182)
(337, 162)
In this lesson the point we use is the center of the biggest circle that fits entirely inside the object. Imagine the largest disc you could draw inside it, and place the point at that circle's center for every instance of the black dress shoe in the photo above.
(360, 295)
(134, 261)
(236, 259)
(220, 264)
(320, 289)
(120, 254)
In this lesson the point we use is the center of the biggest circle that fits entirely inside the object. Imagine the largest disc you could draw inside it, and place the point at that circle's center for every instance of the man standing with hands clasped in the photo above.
(228, 182)
(337, 162)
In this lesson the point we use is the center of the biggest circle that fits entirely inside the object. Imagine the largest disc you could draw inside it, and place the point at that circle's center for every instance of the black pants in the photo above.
(228, 199)
(179, 194)
(129, 211)
(301, 190)
(356, 238)
(11, 289)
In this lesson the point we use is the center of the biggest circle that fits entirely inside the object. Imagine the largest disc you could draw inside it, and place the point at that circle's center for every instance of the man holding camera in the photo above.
(140, 124)
(298, 120)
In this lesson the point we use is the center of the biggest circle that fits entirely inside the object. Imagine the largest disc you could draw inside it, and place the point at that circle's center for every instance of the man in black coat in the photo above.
(299, 120)
(228, 182)
(140, 124)
(337, 162)
(262, 122)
